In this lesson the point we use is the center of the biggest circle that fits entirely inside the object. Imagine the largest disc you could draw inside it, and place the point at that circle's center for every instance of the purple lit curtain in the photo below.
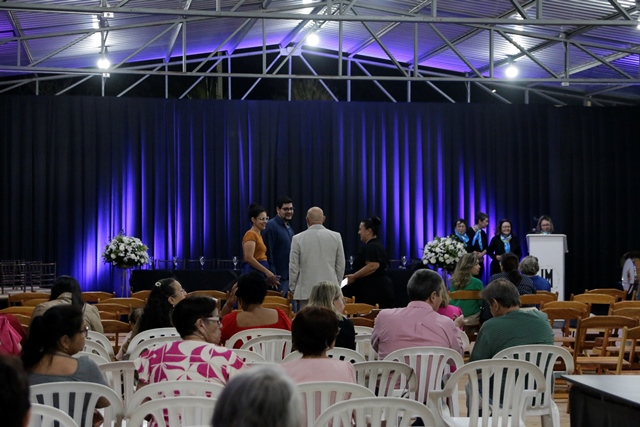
(180, 175)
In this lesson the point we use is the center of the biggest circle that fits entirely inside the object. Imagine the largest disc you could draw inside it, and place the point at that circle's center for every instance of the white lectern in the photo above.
(550, 250)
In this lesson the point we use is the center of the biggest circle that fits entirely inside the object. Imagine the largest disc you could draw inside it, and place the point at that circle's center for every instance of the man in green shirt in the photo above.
(510, 325)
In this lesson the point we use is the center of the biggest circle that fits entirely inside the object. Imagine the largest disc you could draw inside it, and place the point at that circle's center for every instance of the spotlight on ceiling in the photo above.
(103, 62)
(313, 39)
(511, 71)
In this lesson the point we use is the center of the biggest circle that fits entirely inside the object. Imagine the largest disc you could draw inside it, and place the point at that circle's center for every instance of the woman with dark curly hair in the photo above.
(249, 292)
(503, 242)
(369, 282)
(157, 312)
(66, 290)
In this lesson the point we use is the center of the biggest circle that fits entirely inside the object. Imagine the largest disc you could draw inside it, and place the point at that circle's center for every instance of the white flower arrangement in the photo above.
(125, 252)
(443, 252)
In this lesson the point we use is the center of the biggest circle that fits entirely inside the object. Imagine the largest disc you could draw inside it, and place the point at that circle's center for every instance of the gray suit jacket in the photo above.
(316, 255)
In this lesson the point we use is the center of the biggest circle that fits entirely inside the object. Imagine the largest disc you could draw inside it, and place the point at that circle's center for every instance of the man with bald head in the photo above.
(316, 255)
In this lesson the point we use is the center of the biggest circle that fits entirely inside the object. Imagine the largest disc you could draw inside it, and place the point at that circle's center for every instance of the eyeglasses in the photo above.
(264, 218)
(288, 209)
(213, 319)
(84, 331)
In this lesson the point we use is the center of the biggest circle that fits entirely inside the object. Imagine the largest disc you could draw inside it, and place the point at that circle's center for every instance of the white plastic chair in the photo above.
(59, 395)
(318, 396)
(274, 348)
(248, 356)
(466, 344)
(48, 416)
(386, 378)
(544, 357)
(364, 347)
(175, 412)
(516, 380)
(121, 377)
(375, 412)
(101, 339)
(430, 365)
(363, 330)
(148, 334)
(99, 360)
(149, 344)
(247, 334)
(173, 389)
(345, 354)
(97, 348)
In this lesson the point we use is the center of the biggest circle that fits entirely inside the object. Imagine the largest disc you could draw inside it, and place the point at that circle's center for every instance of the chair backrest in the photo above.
(143, 295)
(386, 378)
(506, 387)
(96, 296)
(625, 304)
(273, 293)
(78, 399)
(34, 302)
(553, 294)
(175, 412)
(430, 364)
(26, 311)
(172, 390)
(121, 377)
(632, 335)
(619, 294)
(364, 347)
(544, 357)
(103, 341)
(577, 305)
(21, 297)
(536, 299)
(609, 325)
(318, 396)
(98, 359)
(566, 315)
(593, 298)
(127, 302)
(151, 333)
(247, 334)
(248, 356)
(358, 308)
(633, 312)
(363, 330)
(375, 412)
(362, 321)
(48, 416)
(465, 295)
(219, 296)
(95, 347)
(276, 299)
(119, 309)
(148, 345)
(345, 354)
(274, 348)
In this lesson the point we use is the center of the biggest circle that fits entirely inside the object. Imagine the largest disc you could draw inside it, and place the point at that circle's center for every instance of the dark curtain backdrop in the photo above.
(180, 175)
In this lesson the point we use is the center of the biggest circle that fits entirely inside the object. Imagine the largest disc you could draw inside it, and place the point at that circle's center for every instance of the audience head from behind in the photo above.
(329, 295)
(67, 284)
(252, 288)
(502, 297)
(14, 393)
(426, 285)
(60, 330)
(261, 396)
(197, 316)
(529, 266)
(314, 331)
(165, 294)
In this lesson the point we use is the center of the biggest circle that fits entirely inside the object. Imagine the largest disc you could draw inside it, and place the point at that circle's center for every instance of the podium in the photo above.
(550, 250)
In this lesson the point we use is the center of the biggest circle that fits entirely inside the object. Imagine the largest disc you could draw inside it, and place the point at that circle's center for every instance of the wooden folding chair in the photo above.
(629, 344)
(93, 297)
(619, 294)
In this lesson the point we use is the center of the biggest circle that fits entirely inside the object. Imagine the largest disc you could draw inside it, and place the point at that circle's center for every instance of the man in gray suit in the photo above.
(316, 255)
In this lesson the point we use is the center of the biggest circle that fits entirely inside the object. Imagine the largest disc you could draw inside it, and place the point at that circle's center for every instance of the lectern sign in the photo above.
(550, 250)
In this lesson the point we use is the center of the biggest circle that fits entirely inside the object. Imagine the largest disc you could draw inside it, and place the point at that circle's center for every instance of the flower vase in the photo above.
(445, 277)
(124, 287)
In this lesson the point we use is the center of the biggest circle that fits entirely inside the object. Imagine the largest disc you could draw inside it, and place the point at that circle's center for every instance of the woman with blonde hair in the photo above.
(463, 280)
(328, 294)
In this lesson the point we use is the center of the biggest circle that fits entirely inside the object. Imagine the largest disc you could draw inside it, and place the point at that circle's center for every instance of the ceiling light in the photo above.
(103, 62)
(313, 39)
(306, 1)
(511, 71)
(95, 22)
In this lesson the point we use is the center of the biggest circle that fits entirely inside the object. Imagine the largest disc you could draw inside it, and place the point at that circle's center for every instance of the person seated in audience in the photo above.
(197, 356)
(446, 309)
(328, 294)
(313, 332)
(509, 267)
(249, 292)
(463, 280)
(12, 335)
(418, 324)
(529, 267)
(15, 406)
(260, 396)
(165, 294)
(509, 326)
(66, 290)
(54, 338)
(133, 319)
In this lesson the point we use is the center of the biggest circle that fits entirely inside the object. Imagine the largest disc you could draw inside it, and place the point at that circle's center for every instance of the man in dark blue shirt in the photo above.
(277, 237)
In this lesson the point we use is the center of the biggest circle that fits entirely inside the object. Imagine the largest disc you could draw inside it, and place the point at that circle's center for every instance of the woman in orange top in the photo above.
(253, 248)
